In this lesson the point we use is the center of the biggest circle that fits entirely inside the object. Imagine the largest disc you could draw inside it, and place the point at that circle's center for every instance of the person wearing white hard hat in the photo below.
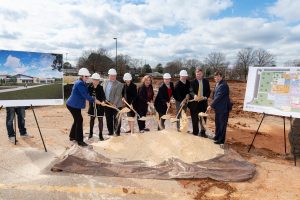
(113, 95)
(129, 94)
(162, 100)
(182, 90)
(76, 102)
(96, 111)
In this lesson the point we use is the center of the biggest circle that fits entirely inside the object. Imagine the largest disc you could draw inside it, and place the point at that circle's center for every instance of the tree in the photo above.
(216, 61)
(159, 68)
(263, 58)
(123, 62)
(245, 58)
(293, 63)
(67, 65)
(146, 69)
(173, 67)
(96, 61)
(57, 62)
(191, 65)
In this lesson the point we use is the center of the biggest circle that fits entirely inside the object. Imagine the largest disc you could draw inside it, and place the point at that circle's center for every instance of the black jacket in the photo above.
(129, 92)
(181, 90)
(99, 92)
(163, 98)
(194, 91)
(142, 98)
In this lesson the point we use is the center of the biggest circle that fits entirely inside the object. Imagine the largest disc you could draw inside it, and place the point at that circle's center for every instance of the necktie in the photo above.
(200, 89)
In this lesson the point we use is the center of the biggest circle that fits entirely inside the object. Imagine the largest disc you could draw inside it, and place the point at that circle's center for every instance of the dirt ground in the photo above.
(276, 178)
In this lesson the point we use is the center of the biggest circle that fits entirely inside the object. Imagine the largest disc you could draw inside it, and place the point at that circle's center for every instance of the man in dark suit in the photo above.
(199, 93)
(222, 105)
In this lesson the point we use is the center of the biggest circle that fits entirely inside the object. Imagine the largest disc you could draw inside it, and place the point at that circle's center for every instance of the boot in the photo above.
(101, 137)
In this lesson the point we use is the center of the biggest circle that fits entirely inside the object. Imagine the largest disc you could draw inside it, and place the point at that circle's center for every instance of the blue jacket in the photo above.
(79, 95)
(221, 102)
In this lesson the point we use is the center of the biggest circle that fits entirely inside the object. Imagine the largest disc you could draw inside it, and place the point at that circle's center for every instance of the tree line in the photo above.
(101, 60)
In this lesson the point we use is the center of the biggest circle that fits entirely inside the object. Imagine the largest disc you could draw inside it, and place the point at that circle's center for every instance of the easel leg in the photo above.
(284, 134)
(38, 128)
(293, 141)
(15, 125)
(256, 131)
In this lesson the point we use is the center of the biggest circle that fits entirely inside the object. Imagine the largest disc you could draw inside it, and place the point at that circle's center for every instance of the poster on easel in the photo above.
(30, 78)
(273, 91)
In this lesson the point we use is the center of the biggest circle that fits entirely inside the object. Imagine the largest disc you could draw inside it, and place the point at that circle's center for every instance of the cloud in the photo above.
(152, 30)
(12, 62)
(286, 9)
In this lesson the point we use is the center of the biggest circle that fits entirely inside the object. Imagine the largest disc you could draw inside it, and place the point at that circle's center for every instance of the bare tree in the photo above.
(215, 61)
(96, 61)
(245, 58)
(263, 58)
(123, 64)
(293, 63)
(174, 67)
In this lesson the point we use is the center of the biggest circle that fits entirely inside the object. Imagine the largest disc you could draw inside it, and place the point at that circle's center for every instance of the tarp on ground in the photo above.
(228, 167)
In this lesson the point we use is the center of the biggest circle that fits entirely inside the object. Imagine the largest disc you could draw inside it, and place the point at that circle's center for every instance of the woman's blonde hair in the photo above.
(146, 77)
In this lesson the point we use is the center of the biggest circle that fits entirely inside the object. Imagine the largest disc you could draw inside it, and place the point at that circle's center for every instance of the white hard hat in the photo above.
(127, 77)
(167, 76)
(84, 72)
(112, 72)
(96, 76)
(183, 73)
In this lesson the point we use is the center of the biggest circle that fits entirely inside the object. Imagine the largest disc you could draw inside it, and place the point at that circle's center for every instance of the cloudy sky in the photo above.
(152, 30)
(28, 63)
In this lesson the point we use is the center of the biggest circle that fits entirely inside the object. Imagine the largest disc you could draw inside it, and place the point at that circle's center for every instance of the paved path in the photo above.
(19, 88)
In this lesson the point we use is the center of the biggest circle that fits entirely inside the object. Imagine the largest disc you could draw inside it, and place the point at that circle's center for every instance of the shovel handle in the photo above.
(131, 108)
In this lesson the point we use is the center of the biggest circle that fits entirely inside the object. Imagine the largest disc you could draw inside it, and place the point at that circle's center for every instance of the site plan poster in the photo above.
(274, 91)
(30, 78)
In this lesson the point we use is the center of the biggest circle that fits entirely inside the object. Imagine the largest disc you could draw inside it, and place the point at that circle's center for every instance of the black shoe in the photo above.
(72, 139)
(203, 135)
(90, 135)
(218, 142)
(110, 134)
(83, 144)
(128, 131)
(101, 137)
(146, 129)
(215, 138)
(118, 134)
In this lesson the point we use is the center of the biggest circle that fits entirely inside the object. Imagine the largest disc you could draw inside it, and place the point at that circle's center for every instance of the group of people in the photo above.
(109, 97)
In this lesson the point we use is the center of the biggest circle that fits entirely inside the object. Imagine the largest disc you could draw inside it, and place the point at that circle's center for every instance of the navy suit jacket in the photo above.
(221, 102)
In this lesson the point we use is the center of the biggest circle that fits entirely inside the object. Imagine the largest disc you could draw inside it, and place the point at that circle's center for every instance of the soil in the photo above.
(276, 178)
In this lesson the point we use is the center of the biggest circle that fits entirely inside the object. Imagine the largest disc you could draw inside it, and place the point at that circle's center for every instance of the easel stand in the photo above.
(284, 135)
(15, 127)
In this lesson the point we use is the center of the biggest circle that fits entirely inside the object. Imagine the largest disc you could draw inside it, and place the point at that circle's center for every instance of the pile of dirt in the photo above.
(155, 147)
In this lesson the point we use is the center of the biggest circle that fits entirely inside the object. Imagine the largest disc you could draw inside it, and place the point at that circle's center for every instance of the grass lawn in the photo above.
(53, 91)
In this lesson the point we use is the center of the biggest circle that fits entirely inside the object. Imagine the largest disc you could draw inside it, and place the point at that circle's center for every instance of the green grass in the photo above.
(43, 92)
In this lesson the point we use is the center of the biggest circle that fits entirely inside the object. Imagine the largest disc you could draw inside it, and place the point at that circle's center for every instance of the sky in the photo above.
(156, 31)
(27, 63)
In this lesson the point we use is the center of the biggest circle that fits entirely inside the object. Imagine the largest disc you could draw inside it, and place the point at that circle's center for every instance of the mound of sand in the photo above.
(158, 146)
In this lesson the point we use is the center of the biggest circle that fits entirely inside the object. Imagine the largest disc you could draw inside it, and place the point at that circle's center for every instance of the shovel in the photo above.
(172, 120)
(166, 116)
(131, 108)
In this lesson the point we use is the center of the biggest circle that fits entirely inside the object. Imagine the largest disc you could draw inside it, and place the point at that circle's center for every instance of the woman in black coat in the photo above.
(129, 94)
(96, 111)
(144, 98)
(162, 100)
